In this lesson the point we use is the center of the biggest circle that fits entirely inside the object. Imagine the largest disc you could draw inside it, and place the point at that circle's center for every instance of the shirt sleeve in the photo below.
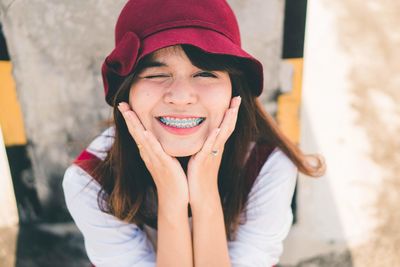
(259, 241)
(108, 240)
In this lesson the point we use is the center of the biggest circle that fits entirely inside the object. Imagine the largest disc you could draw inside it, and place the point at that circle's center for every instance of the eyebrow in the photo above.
(153, 64)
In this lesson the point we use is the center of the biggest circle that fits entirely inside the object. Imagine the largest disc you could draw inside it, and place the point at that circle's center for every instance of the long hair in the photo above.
(127, 186)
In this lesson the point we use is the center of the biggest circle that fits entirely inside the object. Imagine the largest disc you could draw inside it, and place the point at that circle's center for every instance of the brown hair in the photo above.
(127, 184)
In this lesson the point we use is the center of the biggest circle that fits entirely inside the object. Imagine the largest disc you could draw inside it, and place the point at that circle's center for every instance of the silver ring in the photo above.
(214, 152)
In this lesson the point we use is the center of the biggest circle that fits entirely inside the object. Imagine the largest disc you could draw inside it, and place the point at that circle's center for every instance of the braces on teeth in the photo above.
(181, 123)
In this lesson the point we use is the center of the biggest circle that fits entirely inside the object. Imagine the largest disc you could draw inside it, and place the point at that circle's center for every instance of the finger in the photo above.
(125, 110)
(228, 123)
(146, 139)
(157, 151)
(209, 143)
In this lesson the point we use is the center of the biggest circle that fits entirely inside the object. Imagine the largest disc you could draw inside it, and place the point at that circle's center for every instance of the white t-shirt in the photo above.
(109, 242)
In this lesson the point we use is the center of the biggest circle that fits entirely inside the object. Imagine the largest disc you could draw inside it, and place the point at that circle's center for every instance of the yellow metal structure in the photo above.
(288, 113)
(10, 112)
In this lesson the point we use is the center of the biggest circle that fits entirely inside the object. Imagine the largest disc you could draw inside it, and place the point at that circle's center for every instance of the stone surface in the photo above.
(261, 25)
(57, 48)
(333, 259)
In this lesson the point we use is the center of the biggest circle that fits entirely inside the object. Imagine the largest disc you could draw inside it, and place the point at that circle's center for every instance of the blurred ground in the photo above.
(43, 245)
(61, 245)
(326, 260)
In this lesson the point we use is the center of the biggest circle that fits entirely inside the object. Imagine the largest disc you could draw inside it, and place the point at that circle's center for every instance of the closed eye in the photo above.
(206, 74)
(201, 74)
(155, 76)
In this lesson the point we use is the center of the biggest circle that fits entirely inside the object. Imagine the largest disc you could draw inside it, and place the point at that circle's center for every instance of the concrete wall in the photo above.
(261, 25)
(57, 48)
(350, 114)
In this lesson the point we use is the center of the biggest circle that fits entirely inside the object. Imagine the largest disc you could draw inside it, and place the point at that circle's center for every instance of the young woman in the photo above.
(193, 171)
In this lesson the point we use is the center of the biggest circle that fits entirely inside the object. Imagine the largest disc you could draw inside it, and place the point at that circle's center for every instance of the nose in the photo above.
(180, 92)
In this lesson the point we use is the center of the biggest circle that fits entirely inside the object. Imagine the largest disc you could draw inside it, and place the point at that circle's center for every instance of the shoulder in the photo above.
(277, 173)
(277, 168)
(78, 184)
(76, 180)
(102, 143)
(107, 238)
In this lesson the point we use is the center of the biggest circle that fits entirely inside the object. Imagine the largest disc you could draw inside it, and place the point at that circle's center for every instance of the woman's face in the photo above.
(178, 102)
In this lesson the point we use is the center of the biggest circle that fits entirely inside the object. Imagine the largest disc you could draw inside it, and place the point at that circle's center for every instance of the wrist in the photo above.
(177, 195)
(201, 187)
(206, 201)
(172, 210)
(172, 202)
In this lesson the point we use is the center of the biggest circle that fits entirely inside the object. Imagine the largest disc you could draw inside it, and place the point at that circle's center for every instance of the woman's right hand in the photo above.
(166, 171)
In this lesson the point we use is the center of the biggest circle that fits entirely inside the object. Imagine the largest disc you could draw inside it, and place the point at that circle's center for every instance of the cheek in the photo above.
(225, 94)
(142, 101)
(138, 94)
(218, 102)
(143, 96)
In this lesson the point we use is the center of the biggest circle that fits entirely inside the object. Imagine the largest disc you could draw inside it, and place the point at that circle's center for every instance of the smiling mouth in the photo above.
(182, 123)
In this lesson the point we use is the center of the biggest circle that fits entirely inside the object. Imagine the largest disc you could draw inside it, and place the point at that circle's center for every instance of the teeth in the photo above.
(181, 123)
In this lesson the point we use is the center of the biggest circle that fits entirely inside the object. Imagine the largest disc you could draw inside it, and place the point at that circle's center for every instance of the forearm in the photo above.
(174, 243)
(209, 238)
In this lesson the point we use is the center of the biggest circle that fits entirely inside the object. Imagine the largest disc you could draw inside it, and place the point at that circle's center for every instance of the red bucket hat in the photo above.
(145, 26)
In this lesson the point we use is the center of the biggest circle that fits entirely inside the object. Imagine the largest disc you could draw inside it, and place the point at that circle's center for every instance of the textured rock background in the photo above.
(57, 48)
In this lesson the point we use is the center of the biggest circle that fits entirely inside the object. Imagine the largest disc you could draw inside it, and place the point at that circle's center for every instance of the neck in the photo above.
(184, 162)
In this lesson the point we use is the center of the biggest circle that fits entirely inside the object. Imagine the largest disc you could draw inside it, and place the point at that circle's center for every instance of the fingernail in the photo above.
(120, 106)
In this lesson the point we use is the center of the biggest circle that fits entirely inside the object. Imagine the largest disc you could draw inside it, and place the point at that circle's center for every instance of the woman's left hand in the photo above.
(203, 167)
